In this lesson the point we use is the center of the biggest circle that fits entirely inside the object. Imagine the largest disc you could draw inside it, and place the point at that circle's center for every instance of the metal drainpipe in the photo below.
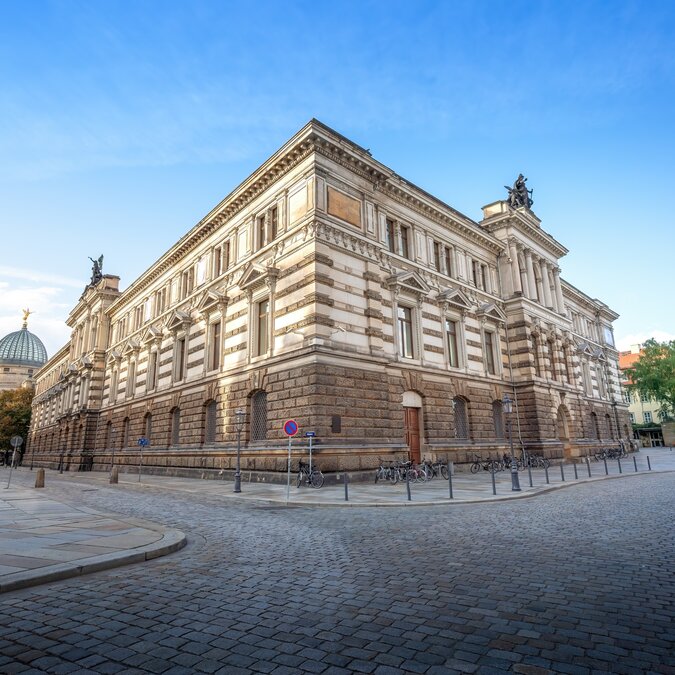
(508, 356)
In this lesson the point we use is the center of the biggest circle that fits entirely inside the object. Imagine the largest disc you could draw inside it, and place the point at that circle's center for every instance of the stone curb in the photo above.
(447, 501)
(172, 540)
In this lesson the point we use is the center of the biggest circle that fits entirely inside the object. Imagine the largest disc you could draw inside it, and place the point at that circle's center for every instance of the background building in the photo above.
(643, 411)
(22, 354)
(328, 289)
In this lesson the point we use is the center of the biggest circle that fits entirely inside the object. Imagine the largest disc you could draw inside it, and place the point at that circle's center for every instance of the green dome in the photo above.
(22, 348)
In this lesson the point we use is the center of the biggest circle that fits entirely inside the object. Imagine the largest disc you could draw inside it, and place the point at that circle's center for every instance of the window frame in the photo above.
(406, 338)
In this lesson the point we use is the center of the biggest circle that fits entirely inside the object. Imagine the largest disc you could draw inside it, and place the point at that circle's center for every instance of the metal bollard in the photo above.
(40, 478)
(562, 472)
(588, 466)
(114, 475)
(618, 460)
(576, 475)
(548, 482)
(450, 479)
(604, 459)
(346, 482)
(649, 464)
(635, 463)
(407, 484)
(494, 485)
(529, 473)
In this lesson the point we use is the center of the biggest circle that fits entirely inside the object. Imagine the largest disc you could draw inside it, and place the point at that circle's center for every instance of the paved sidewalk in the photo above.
(43, 540)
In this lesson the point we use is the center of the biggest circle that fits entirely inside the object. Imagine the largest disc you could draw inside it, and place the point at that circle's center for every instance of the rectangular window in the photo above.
(262, 327)
(180, 359)
(261, 233)
(391, 235)
(648, 417)
(214, 346)
(274, 222)
(187, 282)
(405, 241)
(437, 255)
(484, 277)
(217, 262)
(405, 332)
(490, 353)
(131, 379)
(632, 417)
(226, 255)
(448, 262)
(453, 351)
(474, 273)
(152, 370)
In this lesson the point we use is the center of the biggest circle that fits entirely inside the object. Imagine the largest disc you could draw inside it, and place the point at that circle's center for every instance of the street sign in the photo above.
(143, 441)
(16, 441)
(310, 434)
(290, 428)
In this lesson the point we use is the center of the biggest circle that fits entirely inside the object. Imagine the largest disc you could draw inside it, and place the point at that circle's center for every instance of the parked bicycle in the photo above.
(314, 479)
(488, 464)
(434, 469)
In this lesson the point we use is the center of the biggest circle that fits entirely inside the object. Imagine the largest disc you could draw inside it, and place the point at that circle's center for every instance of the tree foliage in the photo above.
(14, 415)
(653, 375)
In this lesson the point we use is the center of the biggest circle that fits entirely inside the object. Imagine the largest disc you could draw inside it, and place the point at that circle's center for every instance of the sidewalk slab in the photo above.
(43, 540)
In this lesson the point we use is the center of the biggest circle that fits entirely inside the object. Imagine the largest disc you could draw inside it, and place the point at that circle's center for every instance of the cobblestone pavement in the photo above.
(576, 581)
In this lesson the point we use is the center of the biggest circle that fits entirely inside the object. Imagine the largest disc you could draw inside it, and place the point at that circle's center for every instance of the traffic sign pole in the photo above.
(290, 429)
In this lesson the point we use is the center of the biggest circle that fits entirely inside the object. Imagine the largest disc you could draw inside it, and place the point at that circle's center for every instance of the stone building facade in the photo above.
(328, 289)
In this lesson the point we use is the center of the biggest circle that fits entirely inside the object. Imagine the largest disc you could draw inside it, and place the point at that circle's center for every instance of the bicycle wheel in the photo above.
(444, 471)
(475, 467)
(298, 482)
(316, 479)
(545, 463)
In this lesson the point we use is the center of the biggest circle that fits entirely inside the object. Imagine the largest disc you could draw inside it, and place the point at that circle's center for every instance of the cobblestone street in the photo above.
(575, 581)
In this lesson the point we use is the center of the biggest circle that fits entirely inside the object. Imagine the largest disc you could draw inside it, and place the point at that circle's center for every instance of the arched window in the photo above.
(210, 410)
(259, 416)
(498, 418)
(608, 424)
(147, 426)
(174, 427)
(462, 429)
(595, 426)
(125, 433)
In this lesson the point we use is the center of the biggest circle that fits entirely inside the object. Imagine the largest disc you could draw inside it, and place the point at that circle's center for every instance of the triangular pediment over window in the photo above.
(599, 354)
(151, 334)
(178, 320)
(408, 281)
(211, 301)
(584, 348)
(490, 311)
(132, 347)
(255, 276)
(114, 356)
(455, 297)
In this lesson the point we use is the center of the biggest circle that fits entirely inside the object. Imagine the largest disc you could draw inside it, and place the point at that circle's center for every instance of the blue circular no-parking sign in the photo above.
(290, 428)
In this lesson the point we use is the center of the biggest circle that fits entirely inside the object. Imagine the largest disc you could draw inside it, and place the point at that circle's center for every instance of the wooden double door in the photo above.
(412, 432)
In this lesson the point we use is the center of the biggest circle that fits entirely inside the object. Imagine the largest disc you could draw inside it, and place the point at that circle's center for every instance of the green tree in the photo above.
(14, 415)
(653, 375)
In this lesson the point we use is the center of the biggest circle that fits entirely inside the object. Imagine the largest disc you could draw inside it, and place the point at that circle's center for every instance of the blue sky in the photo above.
(122, 123)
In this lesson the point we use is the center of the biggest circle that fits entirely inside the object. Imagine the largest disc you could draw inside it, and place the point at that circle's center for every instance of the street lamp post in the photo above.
(507, 404)
(239, 418)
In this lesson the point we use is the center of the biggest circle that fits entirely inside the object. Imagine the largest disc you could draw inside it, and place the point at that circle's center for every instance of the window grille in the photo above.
(595, 426)
(259, 416)
(610, 431)
(498, 418)
(210, 422)
(175, 426)
(148, 426)
(461, 418)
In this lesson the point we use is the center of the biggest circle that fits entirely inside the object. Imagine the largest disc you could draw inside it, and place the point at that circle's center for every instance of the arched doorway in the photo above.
(412, 408)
